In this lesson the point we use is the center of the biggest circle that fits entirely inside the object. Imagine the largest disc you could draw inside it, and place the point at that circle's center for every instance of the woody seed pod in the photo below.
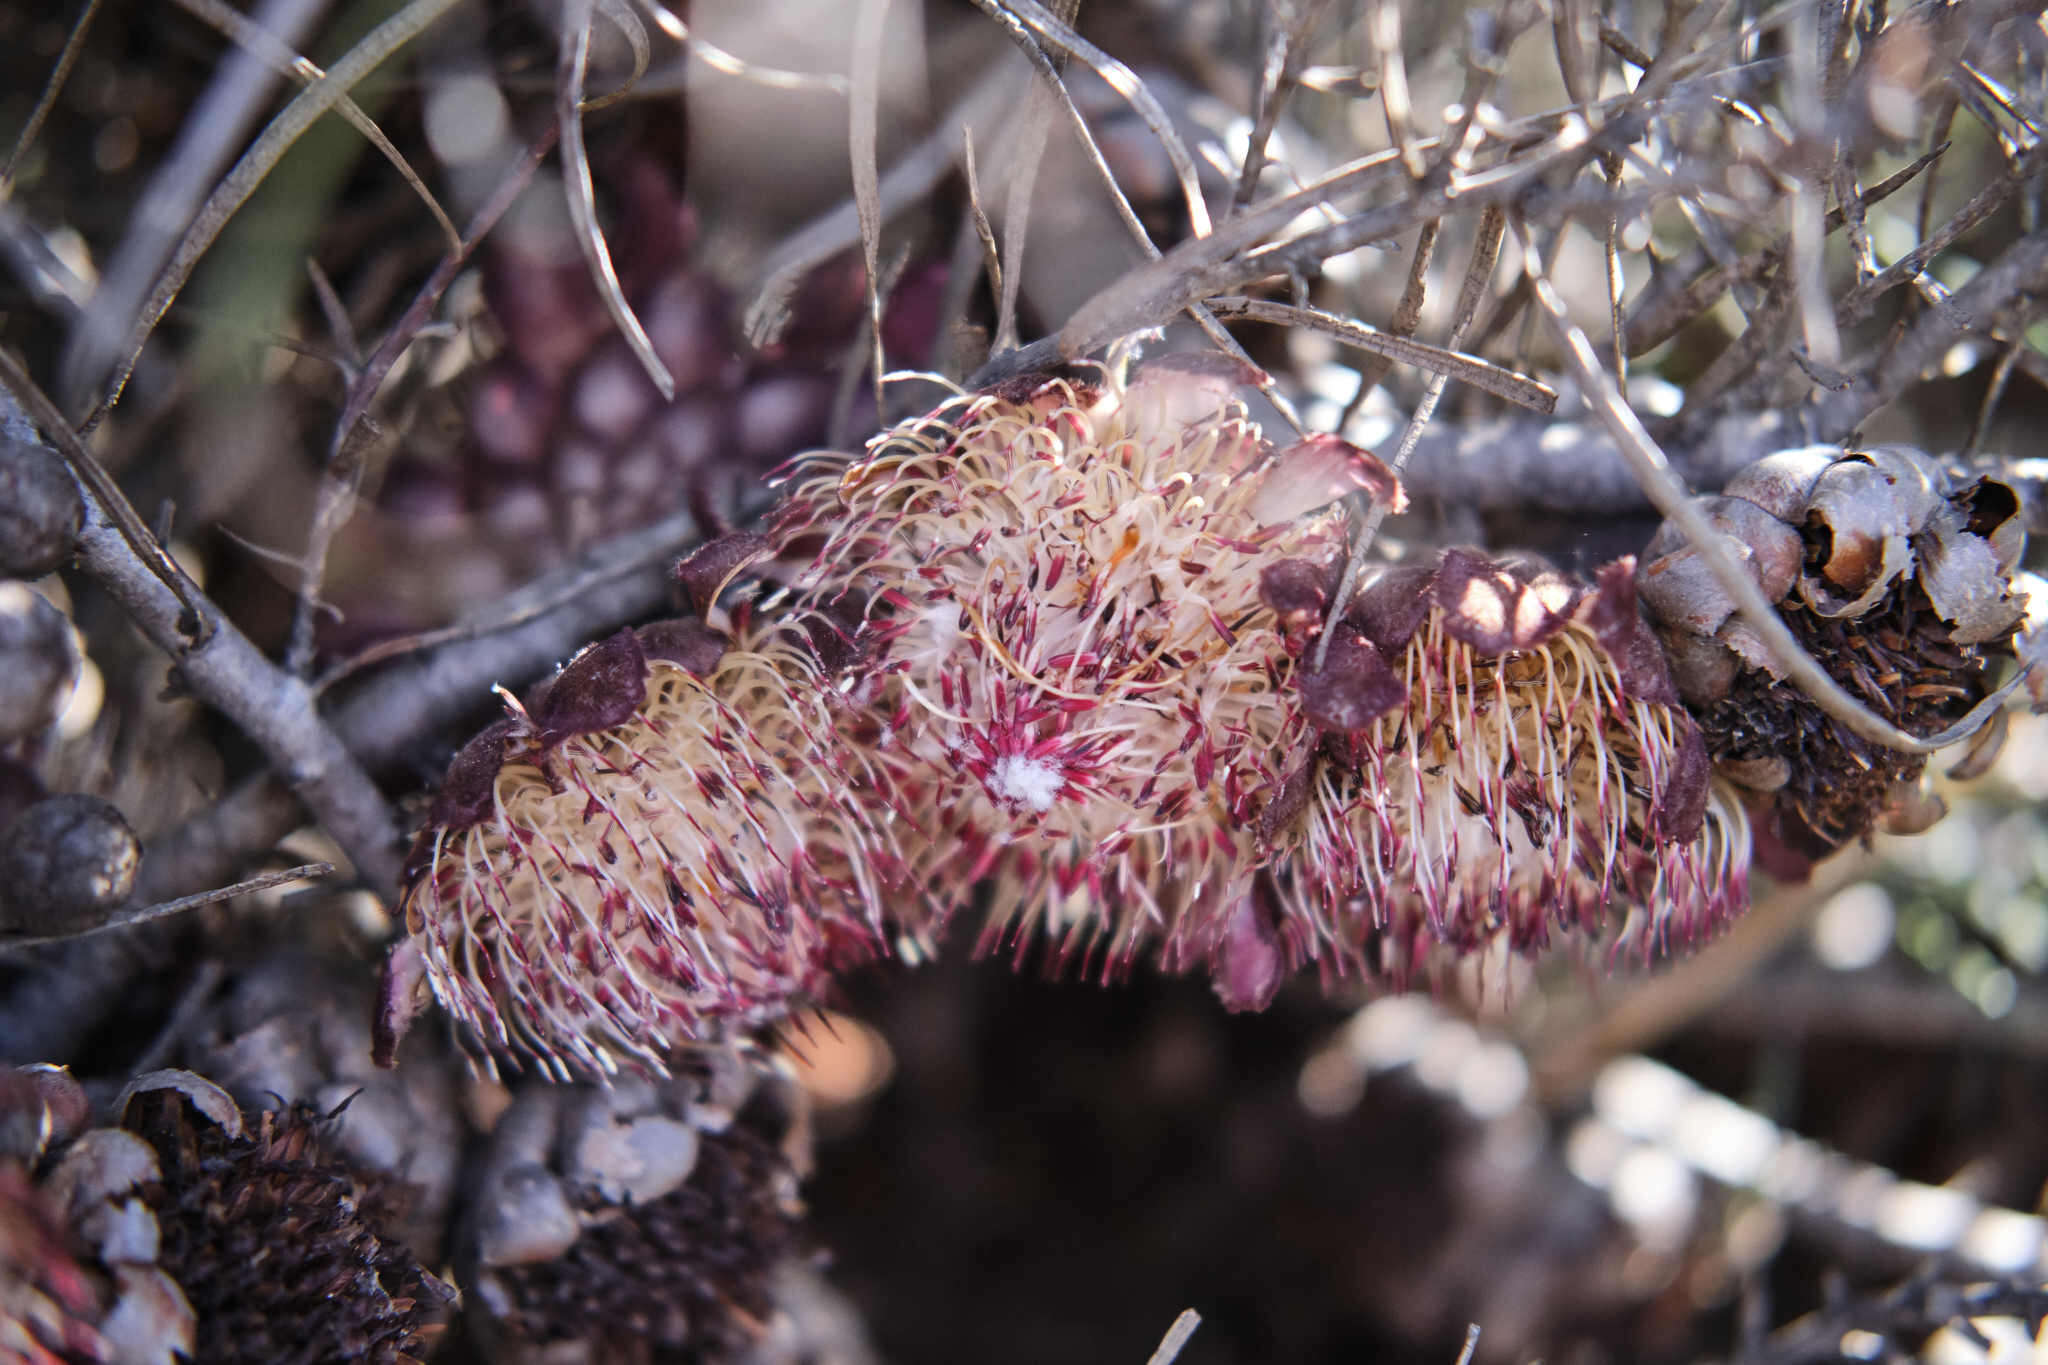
(1903, 590)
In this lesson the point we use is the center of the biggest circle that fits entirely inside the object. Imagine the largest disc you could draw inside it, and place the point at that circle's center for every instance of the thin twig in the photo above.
(905, 183)
(283, 131)
(582, 196)
(387, 719)
(1674, 500)
(2021, 271)
(1201, 268)
(279, 58)
(1028, 151)
(1176, 1338)
(342, 474)
(1993, 393)
(363, 391)
(1659, 314)
(1280, 79)
(1616, 333)
(68, 58)
(206, 142)
(336, 313)
(991, 255)
(1383, 27)
(142, 914)
(1120, 78)
(864, 103)
(1478, 274)
(215, 660)
(1438, 361)
(1855, 303)
(1407, 313)
(1127, 84)
(192, 1000)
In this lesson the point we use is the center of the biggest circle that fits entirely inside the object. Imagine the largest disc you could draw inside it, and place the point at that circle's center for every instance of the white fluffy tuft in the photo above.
(1032, 782)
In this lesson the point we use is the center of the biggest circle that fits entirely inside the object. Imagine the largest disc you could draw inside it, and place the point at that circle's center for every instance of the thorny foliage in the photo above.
(1776, 224)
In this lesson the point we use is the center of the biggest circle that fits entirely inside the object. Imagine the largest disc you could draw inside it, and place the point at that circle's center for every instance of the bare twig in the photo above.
(1232, 257)
(386, 719)
(257, 163)
(215, 660)
(40, 271)
(1383, 27)
(1659, 313)
(2021, 271)
(1993, 393)
(1478, 274)
(281, 59)
(205, 143)
(1176, 1338)
(1904, 1317)
(1616, 334)
(142, 914)
(1280, 80)
(1407, 313)
(1855, 304)
(101, 489)
(192, 1001)
(336, 313)
(582, 196)
(59, 73)
(342, 473)
(906, 182)
(1518, 389)
(864, 102)
(1029, 146)
(1120, 78)
(991, 255)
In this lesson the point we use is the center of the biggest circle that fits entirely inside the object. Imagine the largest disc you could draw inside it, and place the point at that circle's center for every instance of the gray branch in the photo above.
(216, 661)
(386, 719)
(273, 708)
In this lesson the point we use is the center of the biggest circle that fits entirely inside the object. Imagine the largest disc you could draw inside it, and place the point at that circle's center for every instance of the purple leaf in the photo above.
(691, 645)
(1354, 687)
(601, 687)
(709, 567)
(1392, 607)
(1682, 805)
(1247, 966)
(1321, 469)
(1610, 613)
(466, 792)
(1496, 607)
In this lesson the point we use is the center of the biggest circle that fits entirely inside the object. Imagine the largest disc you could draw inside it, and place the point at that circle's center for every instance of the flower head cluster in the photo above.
(669, 837)
(1490, 757)
(1059, 643)
(1064, 664)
